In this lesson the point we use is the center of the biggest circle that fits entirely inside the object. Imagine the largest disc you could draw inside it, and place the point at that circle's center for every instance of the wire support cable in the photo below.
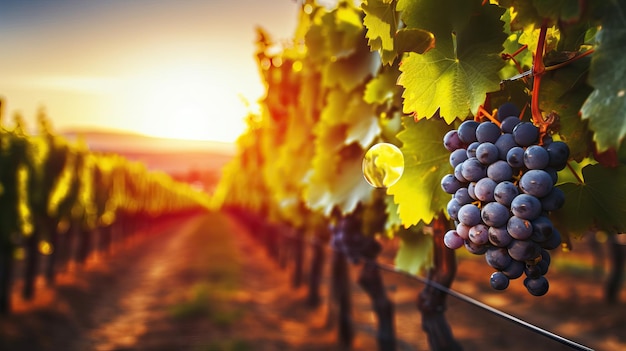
(574, 345)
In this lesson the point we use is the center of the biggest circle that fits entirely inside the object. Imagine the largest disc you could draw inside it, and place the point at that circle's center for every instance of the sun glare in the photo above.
(183, 101)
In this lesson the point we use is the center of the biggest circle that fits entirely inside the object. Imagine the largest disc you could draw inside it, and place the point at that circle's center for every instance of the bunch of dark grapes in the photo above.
(348, 238)
(503, 188)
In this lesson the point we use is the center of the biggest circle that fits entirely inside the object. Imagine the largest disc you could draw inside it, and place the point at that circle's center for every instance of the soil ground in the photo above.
(205, 284)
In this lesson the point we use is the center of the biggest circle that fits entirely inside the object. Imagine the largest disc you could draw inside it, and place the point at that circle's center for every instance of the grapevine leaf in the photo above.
(342, 189)
(381, 21)
(523, 14)
(414, 40)
(382, 87)
(564, 91)
(415, 252)
(567, 11)
(418, 193)
(349, 72)
(606, 105)
(532, 13)
(455, 77)
(596, 203)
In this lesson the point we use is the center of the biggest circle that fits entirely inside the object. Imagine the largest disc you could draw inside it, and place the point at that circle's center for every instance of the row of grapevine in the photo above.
(51, 186)
(408, 73)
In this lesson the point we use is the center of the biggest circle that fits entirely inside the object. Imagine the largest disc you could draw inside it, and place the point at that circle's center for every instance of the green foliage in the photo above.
(596, 203)
(418, 193)
(606, 107)
(455, 76)
(415, 251)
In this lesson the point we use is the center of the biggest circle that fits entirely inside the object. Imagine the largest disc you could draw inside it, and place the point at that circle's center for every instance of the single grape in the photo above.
(532, 271)
(499, 171)
(553, 174)
(499, 281)
(452, 240)
(505, 143)
(487, 132)
(523, 250)
(470, 190)
(487, 153)
(507, 109)
(536, 157)
(450, 184)
(515, 157)
(536, 182)
(484, 189)
(498, 258)
(514, 270)
(457, 156)
(469, 215)
(467, 131)
(546, 140)
(559, 153)
(525, 134)
(553, 241)
(479, 234)
(471, 149)
(451, 141)
(494, 214)
(509, 123)
(519, 228)
(542, 229)
(453, 209)
(462, 196)
(499, 236)
(474, 248)
(538, 286)
(462, 230)
(505, 192)
(554, 200)
(473, 170)
(458, 173)
(526, 206)
(543, 267)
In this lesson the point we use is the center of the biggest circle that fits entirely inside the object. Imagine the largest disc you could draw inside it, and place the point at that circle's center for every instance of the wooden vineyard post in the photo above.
(315, 273)
(298, 253)
(617, 257)
(6, 270)
(371, 281)
(431, 301)
(341, 294)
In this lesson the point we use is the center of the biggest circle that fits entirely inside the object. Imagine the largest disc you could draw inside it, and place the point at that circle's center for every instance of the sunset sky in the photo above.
(158, 67)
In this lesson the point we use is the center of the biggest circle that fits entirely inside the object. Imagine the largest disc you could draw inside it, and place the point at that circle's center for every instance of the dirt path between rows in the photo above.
(126, 302)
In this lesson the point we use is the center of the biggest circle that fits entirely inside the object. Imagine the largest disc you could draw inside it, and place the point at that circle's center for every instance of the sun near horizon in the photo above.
(156, 68)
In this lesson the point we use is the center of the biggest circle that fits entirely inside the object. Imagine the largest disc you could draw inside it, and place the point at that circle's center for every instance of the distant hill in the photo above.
(170, 155)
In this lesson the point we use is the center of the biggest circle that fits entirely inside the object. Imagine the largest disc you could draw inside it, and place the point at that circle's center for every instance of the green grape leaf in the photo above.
(599, 202)
(356, 120)
(351, 71)
(532, 13)
(381, 21)
(456, 75)
(393, 222)
(564, 91)
(414, 40)
(415, 252)
(567, 11)
(418, 193)
(340, 185)
(382, 88)
(606, 105)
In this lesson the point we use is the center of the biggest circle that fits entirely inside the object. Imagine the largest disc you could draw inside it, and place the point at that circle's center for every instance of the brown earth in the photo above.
(205, 284)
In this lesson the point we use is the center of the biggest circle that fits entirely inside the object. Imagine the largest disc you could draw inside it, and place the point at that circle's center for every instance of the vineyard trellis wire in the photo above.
(289, 245)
